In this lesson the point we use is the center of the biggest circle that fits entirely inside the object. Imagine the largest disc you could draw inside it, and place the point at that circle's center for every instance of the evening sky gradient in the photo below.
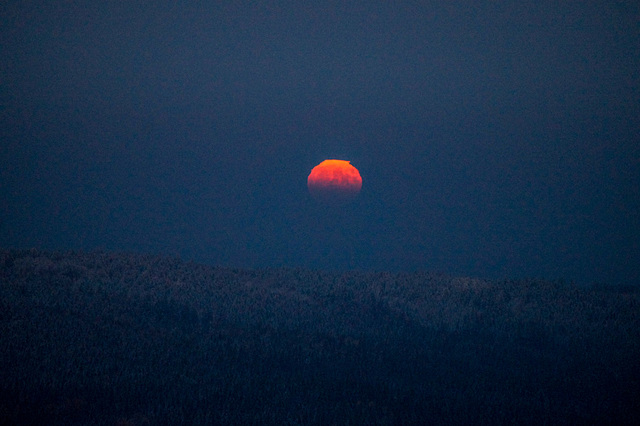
(494, 139)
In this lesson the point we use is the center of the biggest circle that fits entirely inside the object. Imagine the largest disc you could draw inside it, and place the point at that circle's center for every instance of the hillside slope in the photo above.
(108, 338)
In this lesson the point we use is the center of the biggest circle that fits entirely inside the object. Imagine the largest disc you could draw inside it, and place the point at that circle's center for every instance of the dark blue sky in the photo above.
(495, 139)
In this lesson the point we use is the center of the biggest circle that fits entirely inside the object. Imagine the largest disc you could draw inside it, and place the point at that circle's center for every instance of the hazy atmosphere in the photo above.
(497, 140)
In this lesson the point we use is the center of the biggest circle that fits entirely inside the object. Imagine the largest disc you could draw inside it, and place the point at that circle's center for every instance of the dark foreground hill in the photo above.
(115, 339)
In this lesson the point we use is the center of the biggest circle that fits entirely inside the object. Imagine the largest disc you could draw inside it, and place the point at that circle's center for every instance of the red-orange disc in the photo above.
(334, 181)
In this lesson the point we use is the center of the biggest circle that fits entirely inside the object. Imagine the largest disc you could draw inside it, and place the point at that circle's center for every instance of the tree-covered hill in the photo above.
(122, 339)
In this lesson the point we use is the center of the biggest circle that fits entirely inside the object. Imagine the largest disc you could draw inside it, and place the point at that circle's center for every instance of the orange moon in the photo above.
(334, 181)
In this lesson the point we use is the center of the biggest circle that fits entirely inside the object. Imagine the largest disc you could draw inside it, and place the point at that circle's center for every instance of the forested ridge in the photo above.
(127, 339)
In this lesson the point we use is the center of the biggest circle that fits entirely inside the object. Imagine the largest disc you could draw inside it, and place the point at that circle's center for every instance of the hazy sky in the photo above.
(494, 139)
